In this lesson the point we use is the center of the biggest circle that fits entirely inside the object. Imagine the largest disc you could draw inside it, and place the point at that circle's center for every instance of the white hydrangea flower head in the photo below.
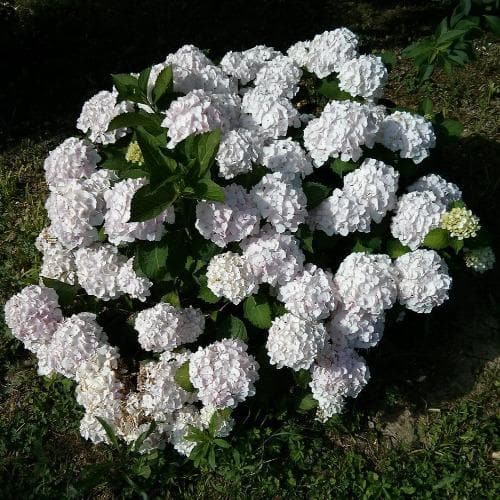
(274, 258)
(480, 259)
(239, 149)
(97, 114)
(281, 76)
(165, 327)
(282, 203)
(341, 130)
(375, 184)
(130, 283)
(183, 420)
(198, 112)
(273, 113)
(411, 135)
(117, 216)
(294, 342)
(74, 342)
(356, 328)
(310, 295)
(224, 373)
(193, 70)
(232, 220)
(461, 223)
(245, 65)
(367, 281)
(299, 52)
(423, 280)
(73, 159)
(97, 269)
(58, 263)
(159, 393)
(229, 275)
(328, 51)
(337, 375)
(74, 211)
(100, 392)
(416, 214)
(288, 157)
(33, 316)
(446, 192)
(363, 76)
(340, 213)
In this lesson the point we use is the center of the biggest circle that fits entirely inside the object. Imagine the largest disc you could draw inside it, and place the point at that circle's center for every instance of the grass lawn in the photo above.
(427, 424)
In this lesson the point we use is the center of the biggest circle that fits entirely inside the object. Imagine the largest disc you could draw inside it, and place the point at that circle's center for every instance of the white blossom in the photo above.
(279, 76)
(165, 327)
(229, 275)
(232, 220)
(366, 281)
(224, 373)
(58, 263)
(411, 135)
(131, 283)
(116, 219)
(310, 295)
(288, 157)
(294, 342)
(416, 214)
(274, 258)
(363, 76)
(446, 192)
(299, 52)
(282, 203)
(423, 280)
(97, 114)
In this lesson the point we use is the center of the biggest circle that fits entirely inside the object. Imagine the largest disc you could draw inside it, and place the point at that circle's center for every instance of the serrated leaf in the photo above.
(437, 239)
(182, 377)
(207, 189)
(305, 236)
(425, 107)
(330, 88)
(164, 84)
(257, 310)
(456, 244)
(315, 193)
(148, 202)
(66, 293)
(342, 167)
(307, 403)
(128, 88)
(395, 249)
(234, 328)
(388, 58)
(172, 298)
(450, 129)
(151, 258)
(143, 80)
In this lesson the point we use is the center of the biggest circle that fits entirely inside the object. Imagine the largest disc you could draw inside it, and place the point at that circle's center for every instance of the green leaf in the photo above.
(151, 257)
(395, 249)
(207, 295)
(207, 189)
(425, 107)
(135, 119)
(133, 173)
(222, 443)
(208, 146)
(164, 84)
(172, 298)
(330, 88)
(305, 236)
(143, 436)
(143, 80)
(342, 167)
(307, 403)
(155, 162)
(66, 293)
(257, 310)
(148, 202)
(457, 204)
(182, 377)
(388, 58)
(109, 432)
(128, 88)
(234, 328)
(456, 244)
(493, 23)
(315, 193)
(437, 239)
(451, 129)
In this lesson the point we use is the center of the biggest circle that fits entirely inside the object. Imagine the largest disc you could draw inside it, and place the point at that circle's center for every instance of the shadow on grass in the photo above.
(55, 54)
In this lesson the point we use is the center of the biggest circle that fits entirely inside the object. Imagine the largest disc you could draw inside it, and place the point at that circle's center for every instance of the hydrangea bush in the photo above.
(219, 229)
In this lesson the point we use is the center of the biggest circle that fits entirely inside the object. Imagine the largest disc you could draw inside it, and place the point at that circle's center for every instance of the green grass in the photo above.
(425, 427)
